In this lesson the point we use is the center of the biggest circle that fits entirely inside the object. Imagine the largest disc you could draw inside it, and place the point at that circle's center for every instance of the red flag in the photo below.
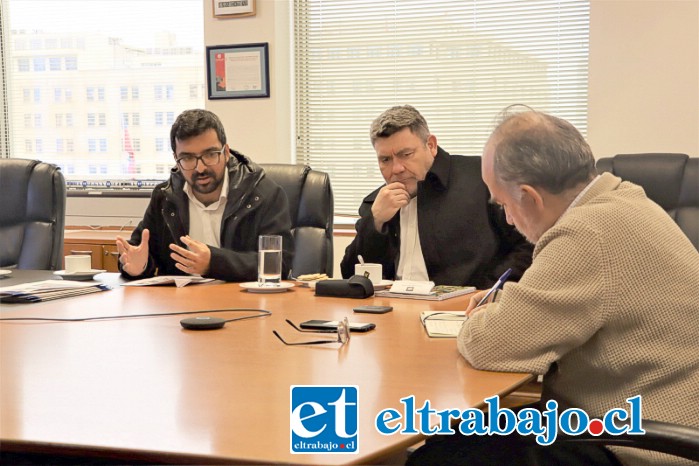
(128, 148)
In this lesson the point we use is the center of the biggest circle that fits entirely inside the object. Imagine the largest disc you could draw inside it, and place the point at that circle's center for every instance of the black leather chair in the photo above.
(663, 437)
(32, 216)
(311, 208)
(671, 180)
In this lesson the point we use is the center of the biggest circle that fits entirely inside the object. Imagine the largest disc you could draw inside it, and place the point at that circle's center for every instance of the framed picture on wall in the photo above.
(233, 8)
(237, 71)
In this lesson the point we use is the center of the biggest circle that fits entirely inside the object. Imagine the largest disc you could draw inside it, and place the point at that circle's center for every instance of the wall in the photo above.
(644, 77)
(259, 128)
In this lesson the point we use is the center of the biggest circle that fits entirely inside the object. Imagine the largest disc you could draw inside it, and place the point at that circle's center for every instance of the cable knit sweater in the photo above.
(609, 309)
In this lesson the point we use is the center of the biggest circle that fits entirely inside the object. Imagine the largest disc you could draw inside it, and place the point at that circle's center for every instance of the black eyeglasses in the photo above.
(342, 331)
(208, 158)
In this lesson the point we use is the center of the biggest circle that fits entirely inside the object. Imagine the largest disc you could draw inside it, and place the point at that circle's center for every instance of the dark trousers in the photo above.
(511, 450)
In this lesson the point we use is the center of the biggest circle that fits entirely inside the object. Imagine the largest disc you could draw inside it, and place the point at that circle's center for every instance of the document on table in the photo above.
(178, 280)
(443, 324)
(47, 290)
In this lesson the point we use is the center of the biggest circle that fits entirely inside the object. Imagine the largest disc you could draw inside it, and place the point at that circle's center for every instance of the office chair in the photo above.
(311, 207)
(32, 216)
(663, 437)
(671, 180)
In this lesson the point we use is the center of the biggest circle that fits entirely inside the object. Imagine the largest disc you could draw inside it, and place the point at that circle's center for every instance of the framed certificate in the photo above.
(233, 8)
(237, 71)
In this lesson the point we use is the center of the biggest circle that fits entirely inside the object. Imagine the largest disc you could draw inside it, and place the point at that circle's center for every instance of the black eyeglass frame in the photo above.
(342, 331)
(200, 158)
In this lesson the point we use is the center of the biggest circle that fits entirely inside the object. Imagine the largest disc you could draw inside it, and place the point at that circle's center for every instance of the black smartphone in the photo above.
(332, 325)
(373, 309)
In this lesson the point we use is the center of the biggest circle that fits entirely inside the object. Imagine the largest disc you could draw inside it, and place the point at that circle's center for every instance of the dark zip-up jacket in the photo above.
(255, 206)
(465, 239)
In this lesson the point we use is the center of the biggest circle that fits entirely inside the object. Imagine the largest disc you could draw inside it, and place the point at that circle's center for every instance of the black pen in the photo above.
(501, 281)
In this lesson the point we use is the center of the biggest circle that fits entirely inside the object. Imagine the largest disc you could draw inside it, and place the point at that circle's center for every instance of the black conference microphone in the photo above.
(214, 323)
(203, 323)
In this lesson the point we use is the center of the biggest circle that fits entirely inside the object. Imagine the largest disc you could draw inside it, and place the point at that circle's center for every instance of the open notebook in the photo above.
(443, 324)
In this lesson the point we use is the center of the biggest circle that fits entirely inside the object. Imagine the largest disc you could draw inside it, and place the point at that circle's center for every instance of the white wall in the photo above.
(259, 128)
(644, 77)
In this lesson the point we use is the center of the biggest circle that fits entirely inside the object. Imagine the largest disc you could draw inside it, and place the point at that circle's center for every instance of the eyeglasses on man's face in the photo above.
(342, 332)
(190, 161)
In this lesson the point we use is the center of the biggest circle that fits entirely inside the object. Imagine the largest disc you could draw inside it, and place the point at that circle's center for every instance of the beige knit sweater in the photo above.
(609, 309)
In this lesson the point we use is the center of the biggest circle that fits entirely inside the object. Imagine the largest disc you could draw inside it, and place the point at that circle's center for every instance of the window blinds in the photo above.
(458, 62)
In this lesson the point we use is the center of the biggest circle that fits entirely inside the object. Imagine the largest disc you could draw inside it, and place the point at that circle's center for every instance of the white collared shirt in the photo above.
(578, 197)
(411, 262)
(205, 221)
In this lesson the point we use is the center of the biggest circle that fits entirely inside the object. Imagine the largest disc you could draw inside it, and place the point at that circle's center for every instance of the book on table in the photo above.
(443, 324)
(423, 290)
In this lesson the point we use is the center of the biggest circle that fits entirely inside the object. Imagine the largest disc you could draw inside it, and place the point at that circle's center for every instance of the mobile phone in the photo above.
(373, 309)
(332, 325)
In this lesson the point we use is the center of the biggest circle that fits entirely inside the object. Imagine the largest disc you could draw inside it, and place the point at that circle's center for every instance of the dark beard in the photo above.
(213, 186)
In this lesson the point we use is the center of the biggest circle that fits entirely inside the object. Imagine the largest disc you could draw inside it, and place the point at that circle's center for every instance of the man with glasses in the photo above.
(206, 218)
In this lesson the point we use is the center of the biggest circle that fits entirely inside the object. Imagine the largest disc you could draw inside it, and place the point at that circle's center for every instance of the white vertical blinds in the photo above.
(458, 62)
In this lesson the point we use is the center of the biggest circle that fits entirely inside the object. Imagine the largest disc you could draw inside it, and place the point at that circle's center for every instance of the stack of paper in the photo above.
(47, 290)
(424, 290)
(443, 324)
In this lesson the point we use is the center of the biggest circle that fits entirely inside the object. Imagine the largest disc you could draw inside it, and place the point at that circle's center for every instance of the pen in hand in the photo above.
(497, 286)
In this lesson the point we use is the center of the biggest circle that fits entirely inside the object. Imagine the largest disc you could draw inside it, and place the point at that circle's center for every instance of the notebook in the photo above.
(443, 324)
(433, 293)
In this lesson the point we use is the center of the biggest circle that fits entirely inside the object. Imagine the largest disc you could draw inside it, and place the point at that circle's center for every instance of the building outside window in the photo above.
(107, 56)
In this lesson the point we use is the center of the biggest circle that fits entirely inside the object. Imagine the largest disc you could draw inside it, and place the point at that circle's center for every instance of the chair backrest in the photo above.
(671, 180)
(32, 216)
(311, 208)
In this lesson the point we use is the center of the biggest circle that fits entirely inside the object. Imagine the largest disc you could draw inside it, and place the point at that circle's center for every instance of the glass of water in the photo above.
(269, 263)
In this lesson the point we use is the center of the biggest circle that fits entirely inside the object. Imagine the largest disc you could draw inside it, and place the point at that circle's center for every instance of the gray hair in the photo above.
(395, 119)
(541, 150)
(191, 123)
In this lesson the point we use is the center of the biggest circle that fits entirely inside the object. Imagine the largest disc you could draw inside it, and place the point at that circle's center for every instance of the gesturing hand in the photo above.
(133, 258)
(195, 259)
(389, 200)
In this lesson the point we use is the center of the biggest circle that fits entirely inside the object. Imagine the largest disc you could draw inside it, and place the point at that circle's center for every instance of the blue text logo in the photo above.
(503, 421)
(323, 418)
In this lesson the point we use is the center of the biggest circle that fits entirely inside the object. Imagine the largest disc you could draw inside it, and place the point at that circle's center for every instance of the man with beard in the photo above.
(206, 218)
(432, 220)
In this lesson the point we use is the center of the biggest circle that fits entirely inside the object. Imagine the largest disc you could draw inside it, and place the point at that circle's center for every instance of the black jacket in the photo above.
(465, 239)
(255, 206)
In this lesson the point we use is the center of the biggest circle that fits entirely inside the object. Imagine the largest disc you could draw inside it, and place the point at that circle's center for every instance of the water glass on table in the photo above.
(269, 265)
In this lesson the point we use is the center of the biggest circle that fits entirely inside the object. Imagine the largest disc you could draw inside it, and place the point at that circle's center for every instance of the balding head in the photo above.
(540, 150)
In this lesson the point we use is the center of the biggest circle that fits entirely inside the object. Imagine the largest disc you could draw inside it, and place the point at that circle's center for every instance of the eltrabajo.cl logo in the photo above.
(324, 418)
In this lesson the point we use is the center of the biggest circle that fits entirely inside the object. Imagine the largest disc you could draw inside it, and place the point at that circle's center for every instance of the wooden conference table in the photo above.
(144, 389)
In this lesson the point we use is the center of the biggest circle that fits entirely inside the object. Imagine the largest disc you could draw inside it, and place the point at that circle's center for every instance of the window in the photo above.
(103, 53)
(458, 62)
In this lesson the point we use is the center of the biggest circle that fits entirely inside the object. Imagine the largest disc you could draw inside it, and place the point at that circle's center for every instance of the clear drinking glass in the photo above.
(269, 264)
